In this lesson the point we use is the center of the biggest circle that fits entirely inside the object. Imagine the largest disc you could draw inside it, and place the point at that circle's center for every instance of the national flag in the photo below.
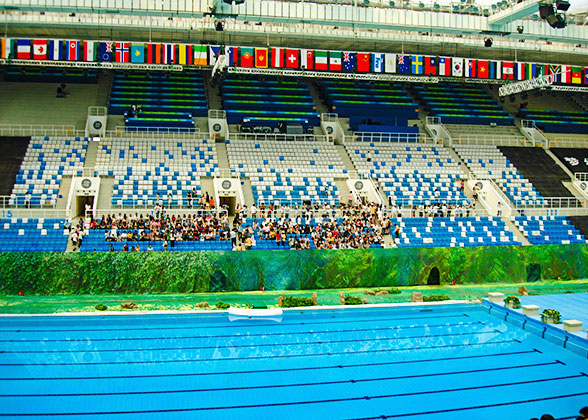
(566, 74)
(278, 58)
(232, 53)
(23, 49)
(320, 60)
(246, 54)
(586, 75)
(39, 49)
(89, 51)
(470, 67)
(261, 60)
(307, 59)
(543, 70)
(508, 70)
(456, 67)
(417, 64)
(530, 70)
(73, 50)
(121, 52)
(214, 53)
(363, 62)
(292, 61)
(390, 63)
(137, 53)
(335, 60)
(403, 64)
(444, 66)
(200, 53)
(576, 75)
(519, 71)
(54, 50)
(482, 69)
(168, 53)
(555, 69)
(430, 65)
(378, 62)
(107, 51)
(185, 54)
(494, 70)
(349, 61)
(154, 53)
(5, 47)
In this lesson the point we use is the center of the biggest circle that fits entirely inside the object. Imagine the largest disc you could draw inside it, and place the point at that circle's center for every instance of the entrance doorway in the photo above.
(533, 272)
(81, 202)
(434, 277)
(229, 203)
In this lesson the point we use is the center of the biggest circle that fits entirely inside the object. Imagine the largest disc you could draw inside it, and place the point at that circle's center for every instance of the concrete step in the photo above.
(223, 157)
(64, 188)
(517, 233)
(105, 193)
(213, 93)
(207, 185)
(316, 94)
(461, 163)
(247, 191)
(346, 160)
(91, 154)
(343, 188)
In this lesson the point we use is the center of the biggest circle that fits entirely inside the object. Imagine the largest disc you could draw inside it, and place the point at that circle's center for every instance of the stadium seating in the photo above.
(556, 121)
(254, 103)
(166, 100)
(542, 230)
(410, 174)
(95, 241)
(142, 170)
(288, 172)
(488, 162)
(373, 107)
(47, 160)
(32, 235)
(459, 104)
(51, 75)
(452, 232)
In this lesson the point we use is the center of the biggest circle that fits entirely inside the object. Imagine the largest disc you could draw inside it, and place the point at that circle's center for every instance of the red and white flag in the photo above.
(307, 59)
(39, 49)
(278, 57)
(292, 59)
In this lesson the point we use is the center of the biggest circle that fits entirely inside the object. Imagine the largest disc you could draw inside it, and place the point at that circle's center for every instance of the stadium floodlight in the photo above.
(488, 42)
(545, 10)
(557, 21)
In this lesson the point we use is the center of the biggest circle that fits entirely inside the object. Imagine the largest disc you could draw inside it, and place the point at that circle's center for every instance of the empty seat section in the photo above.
(46, 161)
(50, 75)
(288, 172)
(541, 230)
(32, 235)
(376, 110)
(145, 171)
(162, 100)
(452, 232)
(410, 174)
(556, 121)
(488, 162)
(270, 103)
(462, 104)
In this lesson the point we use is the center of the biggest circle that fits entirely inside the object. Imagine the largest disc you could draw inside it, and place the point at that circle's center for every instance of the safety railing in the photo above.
(33, 212)
(364, 136)
(156, 132)
(11, 202)
(570, 142)
(25, 130)
(329, 117)
(550, 202)
(276, 137)
(217, 114)
(198, 211)
(581, 176)
(490, 140)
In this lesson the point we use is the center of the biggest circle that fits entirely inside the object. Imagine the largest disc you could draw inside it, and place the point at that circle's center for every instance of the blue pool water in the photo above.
(434, 362)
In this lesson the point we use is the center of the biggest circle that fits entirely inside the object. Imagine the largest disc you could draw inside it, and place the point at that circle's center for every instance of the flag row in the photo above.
(285, 58)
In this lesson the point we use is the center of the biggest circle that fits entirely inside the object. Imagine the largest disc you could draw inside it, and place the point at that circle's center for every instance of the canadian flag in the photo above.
(39, 49)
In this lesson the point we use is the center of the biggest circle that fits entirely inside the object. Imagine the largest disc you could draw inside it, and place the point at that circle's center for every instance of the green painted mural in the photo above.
(188, 272)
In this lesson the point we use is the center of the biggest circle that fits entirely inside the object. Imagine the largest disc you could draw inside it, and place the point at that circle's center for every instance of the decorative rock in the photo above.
(369, 292)
(128, 305)
(341, 298)
(202, 305)
(314, 299)
(523, 291)
(495, 297)
(383, 292)
(530, 310)
(364, 301)
(281, 300)
(572, 325)
(416, 297)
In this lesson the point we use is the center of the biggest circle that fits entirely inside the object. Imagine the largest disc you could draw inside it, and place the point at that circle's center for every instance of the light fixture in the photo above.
(488, 42)
(520, 29)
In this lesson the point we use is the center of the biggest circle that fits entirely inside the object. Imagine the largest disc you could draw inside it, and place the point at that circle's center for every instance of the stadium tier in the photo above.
(47, 160)
(541, 230)
(145, 172)
(453, 232)
(373, 107)
(462, 104)
(410, 174)
(288, 172)
(268, 102)
(158, 100)
(50, 75)
(556, 121)
(32, 235)
(488, 162)
(95, 242)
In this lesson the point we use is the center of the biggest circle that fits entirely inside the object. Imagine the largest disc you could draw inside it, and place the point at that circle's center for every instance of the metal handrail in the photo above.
(391, 137)
(581, 176)
(329, 117)
(551, 202)
(491, 140)
(277, 137)
(571, 142)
